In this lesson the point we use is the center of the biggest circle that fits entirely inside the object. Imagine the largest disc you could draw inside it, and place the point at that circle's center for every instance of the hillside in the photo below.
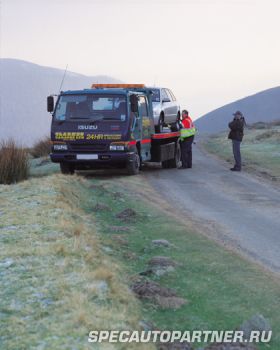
(23, 90)
(260, 149)
(263, 106)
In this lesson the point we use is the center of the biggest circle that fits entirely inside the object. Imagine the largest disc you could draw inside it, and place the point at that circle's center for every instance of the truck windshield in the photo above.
(156, 95)
(92, 106)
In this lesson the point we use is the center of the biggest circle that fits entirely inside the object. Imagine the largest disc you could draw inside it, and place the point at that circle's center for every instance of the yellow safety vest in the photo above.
(184, 133)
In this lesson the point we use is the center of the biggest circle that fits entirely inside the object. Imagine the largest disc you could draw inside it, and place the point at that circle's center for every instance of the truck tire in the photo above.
(175, 162)
(67, 169)
(166, 164)
(133, 166)
(159, 127)
(178, 117)
(176, 125)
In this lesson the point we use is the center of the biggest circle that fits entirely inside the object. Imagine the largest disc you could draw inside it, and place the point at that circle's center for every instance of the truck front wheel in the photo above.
(67, 169)
(133, 165)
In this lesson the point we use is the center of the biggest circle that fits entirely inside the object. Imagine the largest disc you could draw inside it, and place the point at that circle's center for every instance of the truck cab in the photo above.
(105, 126)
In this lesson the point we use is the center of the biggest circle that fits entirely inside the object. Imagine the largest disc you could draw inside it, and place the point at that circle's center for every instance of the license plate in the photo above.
(87, 156)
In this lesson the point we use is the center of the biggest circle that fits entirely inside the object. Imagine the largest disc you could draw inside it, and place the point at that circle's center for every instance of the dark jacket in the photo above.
(236, 129)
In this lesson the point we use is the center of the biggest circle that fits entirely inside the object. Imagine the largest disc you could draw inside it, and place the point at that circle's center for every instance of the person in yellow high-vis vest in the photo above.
(187, 132)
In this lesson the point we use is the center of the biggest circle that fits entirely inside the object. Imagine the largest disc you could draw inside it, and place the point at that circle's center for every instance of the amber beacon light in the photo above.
(117, 86)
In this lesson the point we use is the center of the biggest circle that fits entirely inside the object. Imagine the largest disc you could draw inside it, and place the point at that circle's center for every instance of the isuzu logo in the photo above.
(87, 127)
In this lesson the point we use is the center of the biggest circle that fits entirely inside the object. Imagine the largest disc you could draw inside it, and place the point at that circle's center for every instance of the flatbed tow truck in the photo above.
(109, 125)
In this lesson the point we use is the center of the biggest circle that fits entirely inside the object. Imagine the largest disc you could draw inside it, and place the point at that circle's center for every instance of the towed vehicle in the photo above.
(109, 125)
(166, 109)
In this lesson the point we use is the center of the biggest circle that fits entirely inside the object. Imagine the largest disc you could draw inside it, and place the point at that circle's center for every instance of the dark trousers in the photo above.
(236, 153)
(186, 152)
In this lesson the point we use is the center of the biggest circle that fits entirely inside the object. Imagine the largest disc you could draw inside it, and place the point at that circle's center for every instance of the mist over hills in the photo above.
(24, 87)
(263, 106)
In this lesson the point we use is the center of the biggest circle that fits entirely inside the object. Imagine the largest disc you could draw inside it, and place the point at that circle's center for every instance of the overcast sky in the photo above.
(209, 52)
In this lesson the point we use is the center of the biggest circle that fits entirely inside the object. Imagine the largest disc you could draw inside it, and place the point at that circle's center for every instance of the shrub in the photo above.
(41, 148)
(267, 135)
(276, 122)
(259, 125)
(14, 164)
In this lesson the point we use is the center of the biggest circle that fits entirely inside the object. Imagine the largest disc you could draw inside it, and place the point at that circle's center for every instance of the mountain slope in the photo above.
(263, 106)
(24, 87)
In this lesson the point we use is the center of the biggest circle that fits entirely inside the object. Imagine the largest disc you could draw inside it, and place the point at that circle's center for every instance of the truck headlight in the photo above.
(60, 147)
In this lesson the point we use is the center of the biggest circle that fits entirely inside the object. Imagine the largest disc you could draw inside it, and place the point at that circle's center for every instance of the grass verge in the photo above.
(221, 289)
(260, 150)
(67, 260)
(57, 281)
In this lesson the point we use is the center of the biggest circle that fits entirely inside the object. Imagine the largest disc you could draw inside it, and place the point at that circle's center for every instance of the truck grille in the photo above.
(90, 148)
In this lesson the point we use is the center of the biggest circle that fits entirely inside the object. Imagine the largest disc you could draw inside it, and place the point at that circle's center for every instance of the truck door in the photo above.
(146, 128)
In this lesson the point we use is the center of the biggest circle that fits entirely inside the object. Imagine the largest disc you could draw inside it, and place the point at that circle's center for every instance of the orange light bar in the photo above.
(117, 86)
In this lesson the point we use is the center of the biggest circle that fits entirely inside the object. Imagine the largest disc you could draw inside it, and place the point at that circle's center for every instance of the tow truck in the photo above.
(109, 125)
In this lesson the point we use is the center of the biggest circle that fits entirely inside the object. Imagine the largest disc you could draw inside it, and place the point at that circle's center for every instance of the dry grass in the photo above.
(42, 148)
(14, 166)
(103, 273)
(65, 284)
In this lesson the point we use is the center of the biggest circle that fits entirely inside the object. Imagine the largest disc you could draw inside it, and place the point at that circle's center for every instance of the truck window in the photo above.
(91, 106)
(156, 95)
(143, 106)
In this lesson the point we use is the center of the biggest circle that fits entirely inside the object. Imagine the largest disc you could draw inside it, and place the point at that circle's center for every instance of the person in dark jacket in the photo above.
(236, 135)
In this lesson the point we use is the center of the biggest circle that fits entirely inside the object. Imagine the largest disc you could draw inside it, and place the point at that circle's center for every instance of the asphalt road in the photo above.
(237, 209)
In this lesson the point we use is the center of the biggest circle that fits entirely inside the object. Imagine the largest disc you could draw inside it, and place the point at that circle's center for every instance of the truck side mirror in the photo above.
(50, 103)
(165, 100)
(134, 103)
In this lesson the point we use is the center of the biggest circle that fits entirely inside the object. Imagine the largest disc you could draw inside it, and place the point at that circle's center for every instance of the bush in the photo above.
(14, 165)
(259, 125)
(276, 123)
(41, 148)
(267, 135)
